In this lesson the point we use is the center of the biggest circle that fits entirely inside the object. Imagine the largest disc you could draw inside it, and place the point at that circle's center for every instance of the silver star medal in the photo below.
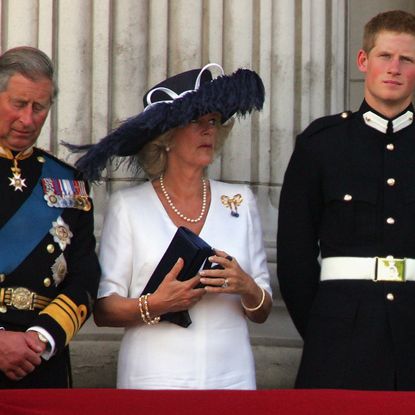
(61, 233)
(59, 269)
(17, 181)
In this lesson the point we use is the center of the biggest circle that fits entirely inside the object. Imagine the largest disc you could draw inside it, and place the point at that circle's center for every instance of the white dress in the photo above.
(214, 352)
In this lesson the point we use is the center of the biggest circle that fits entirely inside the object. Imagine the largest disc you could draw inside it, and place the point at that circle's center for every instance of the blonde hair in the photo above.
(152, 158)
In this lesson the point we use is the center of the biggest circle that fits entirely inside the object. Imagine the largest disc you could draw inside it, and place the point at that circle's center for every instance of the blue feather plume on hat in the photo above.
(235, 94)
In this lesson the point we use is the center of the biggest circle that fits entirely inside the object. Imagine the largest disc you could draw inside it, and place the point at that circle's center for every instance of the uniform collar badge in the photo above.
(232, 203)
(381, 124)
(61, 233)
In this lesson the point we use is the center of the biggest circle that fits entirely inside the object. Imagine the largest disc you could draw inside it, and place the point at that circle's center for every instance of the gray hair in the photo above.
(153, 156)
(29, 62)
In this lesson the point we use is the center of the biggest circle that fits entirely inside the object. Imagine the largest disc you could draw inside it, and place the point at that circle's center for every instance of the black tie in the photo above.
(389, 129)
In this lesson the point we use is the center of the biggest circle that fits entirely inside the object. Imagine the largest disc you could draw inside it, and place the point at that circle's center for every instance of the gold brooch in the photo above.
(232, 203)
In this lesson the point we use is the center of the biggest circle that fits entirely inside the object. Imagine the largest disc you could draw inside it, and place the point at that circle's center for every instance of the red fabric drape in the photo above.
(278, 402)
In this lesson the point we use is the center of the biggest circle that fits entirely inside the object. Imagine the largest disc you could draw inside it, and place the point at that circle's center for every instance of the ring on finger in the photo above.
(225, 283)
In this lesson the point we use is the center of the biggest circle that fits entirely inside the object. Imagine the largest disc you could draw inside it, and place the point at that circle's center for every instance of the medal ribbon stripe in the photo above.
(57, 186)
(66, 187)
(83, 188)
(77, 187)
(66, 193)
(47, 186)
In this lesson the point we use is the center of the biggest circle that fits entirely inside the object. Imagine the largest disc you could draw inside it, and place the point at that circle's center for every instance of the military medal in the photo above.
(16, 181)
(232, 203)
(62, 193)
(61, 233)
(59, 269)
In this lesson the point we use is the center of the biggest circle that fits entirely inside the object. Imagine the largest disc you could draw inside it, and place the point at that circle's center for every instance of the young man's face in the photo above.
(390, 72)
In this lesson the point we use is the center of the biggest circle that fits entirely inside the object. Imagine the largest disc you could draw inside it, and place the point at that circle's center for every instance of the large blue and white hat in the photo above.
(172, 103)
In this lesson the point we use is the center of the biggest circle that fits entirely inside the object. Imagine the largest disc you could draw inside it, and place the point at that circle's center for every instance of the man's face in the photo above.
(390, 72)
(24, 106)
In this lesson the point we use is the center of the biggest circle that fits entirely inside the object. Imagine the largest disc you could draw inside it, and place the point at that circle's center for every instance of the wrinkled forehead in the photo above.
(25, 89)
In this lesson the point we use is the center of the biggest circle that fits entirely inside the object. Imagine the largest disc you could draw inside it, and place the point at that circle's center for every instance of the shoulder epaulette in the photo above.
(326, 122)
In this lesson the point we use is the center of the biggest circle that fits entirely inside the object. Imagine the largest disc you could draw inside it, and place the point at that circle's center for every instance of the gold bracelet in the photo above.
(258, 306)
(140, 304)
(145, 314)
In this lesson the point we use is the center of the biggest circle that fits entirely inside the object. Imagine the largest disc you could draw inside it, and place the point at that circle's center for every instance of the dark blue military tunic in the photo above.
(349, 191)
(63, 271)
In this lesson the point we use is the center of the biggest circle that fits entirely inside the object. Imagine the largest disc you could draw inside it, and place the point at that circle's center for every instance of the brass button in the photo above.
(390, 147)
(344, 114)
(390, 296)
(2, 277)
(347, 198)
(391, 182)
(390, 221)
(50, 248)
(41, 159)
(3, 309)
(47, 282)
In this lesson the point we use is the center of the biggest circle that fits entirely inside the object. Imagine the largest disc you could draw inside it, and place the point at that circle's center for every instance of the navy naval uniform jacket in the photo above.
(65, 272)
(338, 200)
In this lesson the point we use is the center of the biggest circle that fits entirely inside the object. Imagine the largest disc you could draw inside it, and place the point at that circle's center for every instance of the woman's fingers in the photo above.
(175, 271)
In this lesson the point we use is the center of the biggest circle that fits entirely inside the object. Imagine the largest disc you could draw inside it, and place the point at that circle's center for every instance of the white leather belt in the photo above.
(375, 269)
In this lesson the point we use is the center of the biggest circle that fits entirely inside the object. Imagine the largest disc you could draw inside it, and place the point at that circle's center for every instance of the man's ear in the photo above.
(362, 59)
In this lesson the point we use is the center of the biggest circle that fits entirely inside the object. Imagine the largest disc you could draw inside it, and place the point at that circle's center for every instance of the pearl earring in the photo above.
(167, 149)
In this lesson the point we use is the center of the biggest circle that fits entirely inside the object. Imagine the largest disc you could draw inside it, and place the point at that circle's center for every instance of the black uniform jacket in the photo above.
(357, 333)
(67, 274)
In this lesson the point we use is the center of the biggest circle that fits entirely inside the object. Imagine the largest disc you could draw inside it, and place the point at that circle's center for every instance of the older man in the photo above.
(48, 267)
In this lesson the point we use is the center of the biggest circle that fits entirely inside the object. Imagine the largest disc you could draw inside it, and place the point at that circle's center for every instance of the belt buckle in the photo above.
(390, 269)
(22, 298)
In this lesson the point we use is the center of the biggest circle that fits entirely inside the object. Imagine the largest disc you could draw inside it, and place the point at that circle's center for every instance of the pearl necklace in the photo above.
(177, 211)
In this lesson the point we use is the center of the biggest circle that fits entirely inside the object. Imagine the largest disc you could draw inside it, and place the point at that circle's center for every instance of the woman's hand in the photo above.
(174, 295)
(230, 278)
(171, 295)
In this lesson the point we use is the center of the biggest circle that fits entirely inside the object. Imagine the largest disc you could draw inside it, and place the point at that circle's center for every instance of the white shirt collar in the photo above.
(381, 124)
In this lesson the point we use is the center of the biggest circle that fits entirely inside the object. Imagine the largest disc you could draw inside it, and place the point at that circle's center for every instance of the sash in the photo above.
(31, 222)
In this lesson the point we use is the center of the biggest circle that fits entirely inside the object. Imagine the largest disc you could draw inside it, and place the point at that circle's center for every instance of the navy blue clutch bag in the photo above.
(194, 251)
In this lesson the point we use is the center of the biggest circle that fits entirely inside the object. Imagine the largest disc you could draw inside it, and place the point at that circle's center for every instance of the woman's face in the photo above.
(194, 144)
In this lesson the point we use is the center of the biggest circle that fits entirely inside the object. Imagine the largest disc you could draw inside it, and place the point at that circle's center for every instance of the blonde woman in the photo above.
(185, 121)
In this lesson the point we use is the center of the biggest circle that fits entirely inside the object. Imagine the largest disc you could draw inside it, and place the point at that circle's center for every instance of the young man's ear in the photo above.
(362, 60)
